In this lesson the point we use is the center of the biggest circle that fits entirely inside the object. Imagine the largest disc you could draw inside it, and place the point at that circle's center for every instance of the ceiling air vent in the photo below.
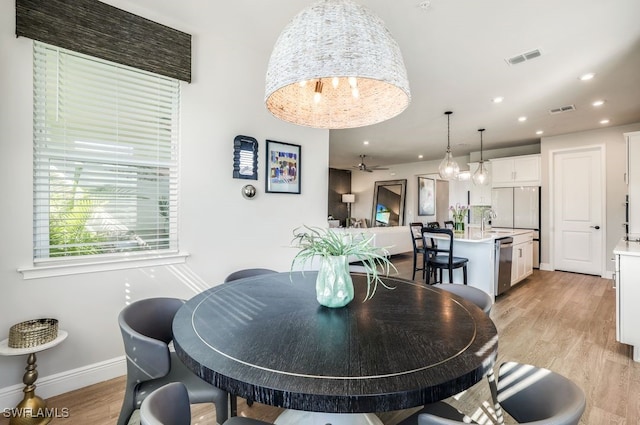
(523, 57)
(562, 109)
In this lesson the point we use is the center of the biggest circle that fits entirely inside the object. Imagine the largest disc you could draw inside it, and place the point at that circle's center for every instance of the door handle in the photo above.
(595, 227)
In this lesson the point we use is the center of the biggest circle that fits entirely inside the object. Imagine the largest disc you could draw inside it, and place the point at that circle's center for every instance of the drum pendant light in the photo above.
(481, 176)
(335, 65)
(448, 168)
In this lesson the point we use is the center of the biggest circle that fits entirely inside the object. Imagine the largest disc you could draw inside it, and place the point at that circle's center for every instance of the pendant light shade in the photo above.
(335, 65)
(448, 168)
(481, 176)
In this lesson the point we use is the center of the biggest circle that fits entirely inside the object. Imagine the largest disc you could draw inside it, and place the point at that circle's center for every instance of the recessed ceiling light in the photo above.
(366, 142)
(420, 156)
(498, 99)
(605, 121)
(587, 77)
(522, 119)
(539, 132)
(598, 103)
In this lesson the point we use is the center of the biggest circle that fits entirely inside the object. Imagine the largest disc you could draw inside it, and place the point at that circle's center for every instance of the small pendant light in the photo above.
(448, 168)
(481, 176)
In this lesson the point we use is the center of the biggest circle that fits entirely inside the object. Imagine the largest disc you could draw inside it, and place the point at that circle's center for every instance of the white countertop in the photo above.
(627, 248)
(473, 234)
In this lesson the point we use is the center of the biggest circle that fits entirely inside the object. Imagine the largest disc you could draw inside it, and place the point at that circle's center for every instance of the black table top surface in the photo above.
(268, 339)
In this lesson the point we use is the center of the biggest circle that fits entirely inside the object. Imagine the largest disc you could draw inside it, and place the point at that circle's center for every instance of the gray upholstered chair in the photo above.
(475, 295)
(533, 395)
(146, 327)
(169, 405)
(241, 274)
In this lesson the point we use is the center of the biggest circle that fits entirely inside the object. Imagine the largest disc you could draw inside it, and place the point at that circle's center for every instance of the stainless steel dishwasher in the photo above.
(504, 252)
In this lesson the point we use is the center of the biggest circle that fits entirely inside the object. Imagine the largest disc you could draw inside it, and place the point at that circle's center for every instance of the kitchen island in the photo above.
(480, 248)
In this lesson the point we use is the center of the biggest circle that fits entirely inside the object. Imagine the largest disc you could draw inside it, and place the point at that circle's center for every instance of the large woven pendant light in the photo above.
(335, 65)
(448, 168)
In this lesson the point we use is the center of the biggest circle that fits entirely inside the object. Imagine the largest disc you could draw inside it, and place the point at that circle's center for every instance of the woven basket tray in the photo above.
(33, 333)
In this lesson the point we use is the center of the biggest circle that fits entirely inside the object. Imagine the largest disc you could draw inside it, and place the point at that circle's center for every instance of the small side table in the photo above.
(31, 410)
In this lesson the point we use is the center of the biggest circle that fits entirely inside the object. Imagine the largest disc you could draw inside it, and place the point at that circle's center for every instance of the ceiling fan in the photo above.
(364, 167)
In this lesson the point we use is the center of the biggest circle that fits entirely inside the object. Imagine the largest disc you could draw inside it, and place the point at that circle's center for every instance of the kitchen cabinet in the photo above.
(479, 195)
(522, 257)
(633, 180)
(516, 171)
(627, 258)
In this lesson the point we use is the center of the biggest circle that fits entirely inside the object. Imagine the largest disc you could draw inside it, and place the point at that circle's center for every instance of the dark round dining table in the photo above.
(267, 339)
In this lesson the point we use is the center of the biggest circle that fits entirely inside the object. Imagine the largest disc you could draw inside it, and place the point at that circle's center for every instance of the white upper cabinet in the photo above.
(480, 195)
(516, 171)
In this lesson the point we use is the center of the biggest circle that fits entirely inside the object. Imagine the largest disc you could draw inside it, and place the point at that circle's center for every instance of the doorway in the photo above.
(578, 212)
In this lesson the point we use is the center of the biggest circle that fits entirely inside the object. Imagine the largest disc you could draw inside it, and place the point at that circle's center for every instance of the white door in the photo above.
(578, 219)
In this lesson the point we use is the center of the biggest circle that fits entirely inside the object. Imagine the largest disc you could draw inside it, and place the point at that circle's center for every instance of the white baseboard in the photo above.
(546, 266)
(60, 383)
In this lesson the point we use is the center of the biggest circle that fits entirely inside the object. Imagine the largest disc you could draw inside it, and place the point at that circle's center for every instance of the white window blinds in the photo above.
(105, 157)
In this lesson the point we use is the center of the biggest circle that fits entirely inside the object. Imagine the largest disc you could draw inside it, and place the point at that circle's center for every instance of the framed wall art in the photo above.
(283, 167)
(426, 196)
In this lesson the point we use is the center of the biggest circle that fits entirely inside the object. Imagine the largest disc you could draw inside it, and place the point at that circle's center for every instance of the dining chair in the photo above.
(448, 224)
(169, 405)
(530, 394)
(146, 328)
(475, 295)
(241, 274)
(418, 247)
(433, 225)
(437, 413)
(534, 395)
(439, 255)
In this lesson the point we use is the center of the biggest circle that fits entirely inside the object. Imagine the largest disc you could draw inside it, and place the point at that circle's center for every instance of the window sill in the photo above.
(78, 267)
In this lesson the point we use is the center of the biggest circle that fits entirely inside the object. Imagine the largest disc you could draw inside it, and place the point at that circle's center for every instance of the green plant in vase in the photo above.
(334, 287)
(459, 212)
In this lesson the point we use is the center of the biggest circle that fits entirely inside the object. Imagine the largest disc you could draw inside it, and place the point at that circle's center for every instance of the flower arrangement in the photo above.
(459, 212)
(321, 242)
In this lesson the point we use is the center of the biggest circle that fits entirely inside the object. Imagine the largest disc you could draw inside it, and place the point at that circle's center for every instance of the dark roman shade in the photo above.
(100, 30)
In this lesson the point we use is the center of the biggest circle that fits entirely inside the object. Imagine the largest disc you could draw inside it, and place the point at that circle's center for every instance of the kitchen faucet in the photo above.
(491, 215)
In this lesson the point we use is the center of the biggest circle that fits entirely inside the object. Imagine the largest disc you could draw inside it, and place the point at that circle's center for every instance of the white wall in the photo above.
(219, 228)
(613, 140)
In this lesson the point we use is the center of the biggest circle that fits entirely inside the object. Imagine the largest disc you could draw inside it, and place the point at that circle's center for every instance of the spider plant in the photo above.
(321, 242)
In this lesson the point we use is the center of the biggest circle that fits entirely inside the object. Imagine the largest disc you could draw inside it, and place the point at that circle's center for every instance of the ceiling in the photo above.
(454, 52)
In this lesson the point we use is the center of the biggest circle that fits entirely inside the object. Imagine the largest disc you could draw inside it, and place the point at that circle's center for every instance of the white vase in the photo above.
(334, 287)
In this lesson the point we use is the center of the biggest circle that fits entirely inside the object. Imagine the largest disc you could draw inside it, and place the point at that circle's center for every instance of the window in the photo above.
(105, 157)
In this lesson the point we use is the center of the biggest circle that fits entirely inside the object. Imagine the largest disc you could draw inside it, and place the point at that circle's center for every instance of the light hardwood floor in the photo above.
(561, 321)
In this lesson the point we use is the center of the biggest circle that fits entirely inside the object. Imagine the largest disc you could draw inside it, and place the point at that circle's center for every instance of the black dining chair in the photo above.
(146, 328)
(439, 255)
(418, 247)
(448, 224)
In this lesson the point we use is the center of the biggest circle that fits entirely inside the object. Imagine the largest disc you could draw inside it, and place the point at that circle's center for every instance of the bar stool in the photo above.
(439, 258)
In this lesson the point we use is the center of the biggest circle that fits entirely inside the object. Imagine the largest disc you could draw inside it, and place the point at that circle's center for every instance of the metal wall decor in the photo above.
(245, 158)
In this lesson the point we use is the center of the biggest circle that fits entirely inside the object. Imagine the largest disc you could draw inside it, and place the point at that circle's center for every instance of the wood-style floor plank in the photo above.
(561, 321)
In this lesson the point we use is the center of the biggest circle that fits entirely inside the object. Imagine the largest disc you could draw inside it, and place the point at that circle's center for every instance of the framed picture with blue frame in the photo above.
(283, 167)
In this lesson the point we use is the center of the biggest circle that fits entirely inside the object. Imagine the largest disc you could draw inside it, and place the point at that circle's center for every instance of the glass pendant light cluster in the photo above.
(448, 168)
(481, 176)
